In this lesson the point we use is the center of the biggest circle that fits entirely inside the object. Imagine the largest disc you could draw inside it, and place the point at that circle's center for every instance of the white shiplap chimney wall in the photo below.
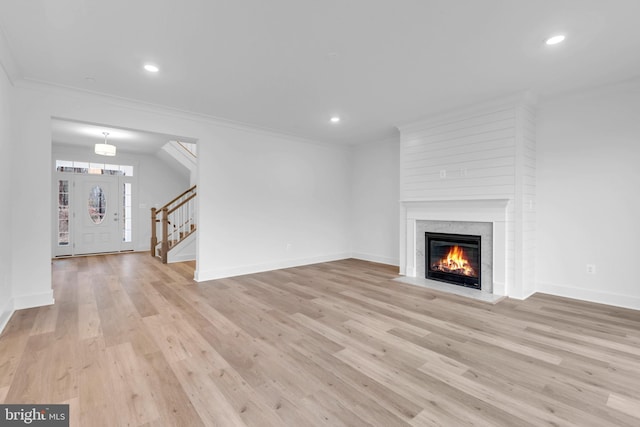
(477, 154)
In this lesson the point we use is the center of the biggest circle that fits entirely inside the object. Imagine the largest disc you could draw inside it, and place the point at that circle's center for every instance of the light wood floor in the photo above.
(133, 342)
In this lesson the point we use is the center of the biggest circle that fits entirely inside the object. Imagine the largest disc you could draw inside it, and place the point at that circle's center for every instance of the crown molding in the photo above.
(7, 64)
(148, 107)
(625, 86)
(382, 141)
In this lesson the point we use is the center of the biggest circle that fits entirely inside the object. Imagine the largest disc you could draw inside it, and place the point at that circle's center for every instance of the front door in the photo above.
(96, 221)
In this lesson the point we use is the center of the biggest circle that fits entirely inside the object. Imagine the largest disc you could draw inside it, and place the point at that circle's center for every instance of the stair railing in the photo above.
(176, 220)
(190, 148)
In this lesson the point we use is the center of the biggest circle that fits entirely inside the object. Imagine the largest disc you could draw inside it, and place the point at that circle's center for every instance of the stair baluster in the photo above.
(177, 219)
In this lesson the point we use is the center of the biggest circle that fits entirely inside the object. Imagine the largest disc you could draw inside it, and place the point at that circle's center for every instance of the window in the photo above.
(63, 212)
(93, 168)
(97, 205)
(126, 213)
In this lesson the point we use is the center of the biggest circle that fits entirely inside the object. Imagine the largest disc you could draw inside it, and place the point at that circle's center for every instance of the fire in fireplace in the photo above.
(453, 258)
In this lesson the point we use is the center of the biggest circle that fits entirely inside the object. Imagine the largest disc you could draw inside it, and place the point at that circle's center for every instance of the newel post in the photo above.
(154, 233)
(165, 234)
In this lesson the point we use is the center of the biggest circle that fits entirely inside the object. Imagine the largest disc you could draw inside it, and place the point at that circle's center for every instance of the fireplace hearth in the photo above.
(453, 258)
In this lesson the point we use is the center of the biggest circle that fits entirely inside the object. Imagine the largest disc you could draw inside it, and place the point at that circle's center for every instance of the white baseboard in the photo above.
(181, 258)
(33, 300)
(204, 275)
(5, 314)
(625, 301)
(521, 297)
(21, 302)
(376, 258)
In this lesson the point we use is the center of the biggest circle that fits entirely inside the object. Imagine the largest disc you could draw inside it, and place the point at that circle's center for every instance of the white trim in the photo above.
(481, 210)
(5, 314)
(148, 107)
(73, 178)
(7, 63)
(568, 291)
(388, 140)
(523, 296)
(22, 302)
(181, 258)
(34, 300)
(201, 276)
(376, 258)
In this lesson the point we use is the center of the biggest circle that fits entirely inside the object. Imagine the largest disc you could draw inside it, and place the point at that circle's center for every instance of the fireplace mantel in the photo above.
(494, 211)
(475, 164)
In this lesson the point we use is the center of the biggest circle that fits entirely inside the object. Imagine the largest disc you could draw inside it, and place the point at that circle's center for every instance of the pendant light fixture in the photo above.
(105, 149)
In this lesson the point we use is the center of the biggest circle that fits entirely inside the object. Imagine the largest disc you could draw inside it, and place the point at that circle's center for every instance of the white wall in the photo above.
(266, 200)
(34, 106)
(482, 152)
(375, 195)
(6, 303)
(157, 183)
(270, 202)
(588, 195)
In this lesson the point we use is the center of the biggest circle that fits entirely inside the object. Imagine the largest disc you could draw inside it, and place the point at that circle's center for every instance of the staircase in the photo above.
(173, 224)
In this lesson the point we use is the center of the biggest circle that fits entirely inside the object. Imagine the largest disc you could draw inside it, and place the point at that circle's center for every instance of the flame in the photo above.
(455, 262)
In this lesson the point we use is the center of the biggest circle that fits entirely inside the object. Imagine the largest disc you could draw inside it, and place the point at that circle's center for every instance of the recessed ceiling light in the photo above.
(151, 68)
(335, 119)
(555, 39)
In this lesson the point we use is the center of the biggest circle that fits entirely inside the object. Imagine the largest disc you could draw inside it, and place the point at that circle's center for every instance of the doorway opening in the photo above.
(93, 208)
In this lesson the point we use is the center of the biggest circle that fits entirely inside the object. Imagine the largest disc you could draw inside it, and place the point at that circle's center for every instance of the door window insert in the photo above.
(97, 205)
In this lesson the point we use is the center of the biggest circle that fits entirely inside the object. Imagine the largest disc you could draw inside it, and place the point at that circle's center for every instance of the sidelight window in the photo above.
(63, 212)
(126, 213)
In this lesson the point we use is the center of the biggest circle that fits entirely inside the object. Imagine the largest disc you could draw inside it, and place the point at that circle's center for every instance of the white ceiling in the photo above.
(288, 65)
(68, 132)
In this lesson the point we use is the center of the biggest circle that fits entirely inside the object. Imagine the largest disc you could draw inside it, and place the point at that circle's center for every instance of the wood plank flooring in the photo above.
(133, 342)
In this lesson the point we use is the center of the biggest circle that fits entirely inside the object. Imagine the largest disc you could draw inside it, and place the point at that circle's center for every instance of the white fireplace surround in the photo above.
(478, 210)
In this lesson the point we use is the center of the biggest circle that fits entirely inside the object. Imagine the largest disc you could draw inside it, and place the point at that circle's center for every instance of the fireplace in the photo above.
(484, 218)
(453, 258)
